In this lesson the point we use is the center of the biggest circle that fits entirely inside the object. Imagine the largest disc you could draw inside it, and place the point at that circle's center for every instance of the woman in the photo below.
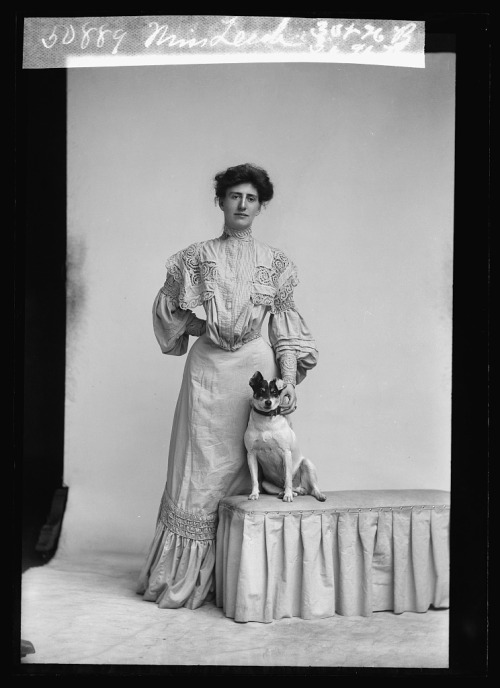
(238, 281)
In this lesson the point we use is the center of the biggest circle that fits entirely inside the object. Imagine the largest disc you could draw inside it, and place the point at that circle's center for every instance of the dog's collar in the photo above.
(274, 412)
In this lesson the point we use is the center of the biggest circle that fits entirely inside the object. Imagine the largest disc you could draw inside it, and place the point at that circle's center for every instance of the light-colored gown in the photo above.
(239, 281)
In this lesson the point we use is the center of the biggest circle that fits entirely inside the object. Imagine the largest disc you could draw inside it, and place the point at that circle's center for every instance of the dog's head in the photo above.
(266, 393)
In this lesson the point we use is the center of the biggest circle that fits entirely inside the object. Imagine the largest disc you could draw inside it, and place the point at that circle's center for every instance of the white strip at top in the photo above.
(66, 42)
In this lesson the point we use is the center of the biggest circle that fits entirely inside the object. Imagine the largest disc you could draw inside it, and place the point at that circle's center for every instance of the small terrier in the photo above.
(271, 443)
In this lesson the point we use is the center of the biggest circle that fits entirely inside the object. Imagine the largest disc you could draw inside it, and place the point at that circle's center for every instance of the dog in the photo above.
(271, 443)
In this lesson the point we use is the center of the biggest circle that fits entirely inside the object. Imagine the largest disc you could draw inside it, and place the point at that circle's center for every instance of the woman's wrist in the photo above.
(288, 366)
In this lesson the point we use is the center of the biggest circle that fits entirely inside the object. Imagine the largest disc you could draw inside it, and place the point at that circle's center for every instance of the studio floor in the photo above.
(87, 613)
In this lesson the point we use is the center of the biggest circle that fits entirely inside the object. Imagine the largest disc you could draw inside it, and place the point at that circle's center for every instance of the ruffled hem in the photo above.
(178, 572)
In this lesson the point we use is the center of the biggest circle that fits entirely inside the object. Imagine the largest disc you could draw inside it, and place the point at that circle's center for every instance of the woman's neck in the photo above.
(242, 234)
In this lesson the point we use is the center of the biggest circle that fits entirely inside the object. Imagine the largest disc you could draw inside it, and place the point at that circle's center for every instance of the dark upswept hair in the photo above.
(244, 174)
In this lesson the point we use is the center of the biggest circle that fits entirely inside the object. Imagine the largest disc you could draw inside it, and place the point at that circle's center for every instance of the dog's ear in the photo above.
(279, 384)
(256, 379)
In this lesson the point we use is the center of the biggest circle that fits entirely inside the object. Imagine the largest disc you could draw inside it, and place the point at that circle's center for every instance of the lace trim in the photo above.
(269, 276)
(172, 285)
(270, 292)
(283, 300)
(204, 274)
(185, 524)
(262, 299)
(279, 303)
(243, 234)
(184, 303)
(280, 260)
(272, 286)
(189, 257)
(288, 366)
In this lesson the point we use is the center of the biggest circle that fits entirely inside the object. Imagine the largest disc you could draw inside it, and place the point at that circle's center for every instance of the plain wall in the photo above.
(362, 160)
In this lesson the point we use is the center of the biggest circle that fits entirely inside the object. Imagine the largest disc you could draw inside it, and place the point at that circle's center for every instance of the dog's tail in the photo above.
(270, 488)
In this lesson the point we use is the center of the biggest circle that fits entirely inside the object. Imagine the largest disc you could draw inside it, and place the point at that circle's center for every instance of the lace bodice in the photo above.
(237, 280)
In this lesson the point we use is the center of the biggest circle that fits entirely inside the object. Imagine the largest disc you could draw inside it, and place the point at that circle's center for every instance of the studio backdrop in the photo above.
(362, 159)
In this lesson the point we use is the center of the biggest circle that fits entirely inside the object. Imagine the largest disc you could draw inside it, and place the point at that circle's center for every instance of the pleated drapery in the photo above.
(356, 553)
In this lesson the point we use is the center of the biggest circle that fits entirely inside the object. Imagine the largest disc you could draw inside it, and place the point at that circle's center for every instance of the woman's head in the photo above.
(244, 174)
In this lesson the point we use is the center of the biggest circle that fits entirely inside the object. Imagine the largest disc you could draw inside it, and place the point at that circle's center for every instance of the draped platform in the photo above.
(357, 553)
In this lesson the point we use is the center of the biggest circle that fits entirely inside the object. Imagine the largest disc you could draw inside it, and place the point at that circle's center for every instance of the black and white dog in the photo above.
(271, 443)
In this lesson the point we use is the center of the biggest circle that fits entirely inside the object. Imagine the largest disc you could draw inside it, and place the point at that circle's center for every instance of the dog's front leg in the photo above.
(287, 465)
(254, 474)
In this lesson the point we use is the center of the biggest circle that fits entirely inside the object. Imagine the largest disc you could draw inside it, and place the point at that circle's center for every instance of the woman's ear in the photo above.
(221, 203)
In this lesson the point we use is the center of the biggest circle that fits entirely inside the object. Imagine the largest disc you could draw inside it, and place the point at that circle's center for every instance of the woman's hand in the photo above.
(288, 400)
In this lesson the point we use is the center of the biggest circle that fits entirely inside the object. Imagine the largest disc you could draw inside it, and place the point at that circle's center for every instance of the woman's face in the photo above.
(240, 206)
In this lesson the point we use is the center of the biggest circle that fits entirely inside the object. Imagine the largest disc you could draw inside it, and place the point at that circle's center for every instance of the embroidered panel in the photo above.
(284, 297)
(190, 258)
(172, 285)
(185, 524)
(288, 366)
(274, 285)
(195, 283)
(191, 281)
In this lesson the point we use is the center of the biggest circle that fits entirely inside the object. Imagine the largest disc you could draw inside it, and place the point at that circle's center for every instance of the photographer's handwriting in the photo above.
(324, 38)
(99, 36)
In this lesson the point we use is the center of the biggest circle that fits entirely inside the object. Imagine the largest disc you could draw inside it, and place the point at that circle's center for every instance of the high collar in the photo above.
(240, 234)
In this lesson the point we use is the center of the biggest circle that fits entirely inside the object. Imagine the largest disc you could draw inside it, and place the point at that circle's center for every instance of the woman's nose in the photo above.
(242, 203)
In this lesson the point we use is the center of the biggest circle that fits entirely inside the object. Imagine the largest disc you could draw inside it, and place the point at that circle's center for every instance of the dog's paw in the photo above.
(288, 497)
(253, 495)
(319, 496)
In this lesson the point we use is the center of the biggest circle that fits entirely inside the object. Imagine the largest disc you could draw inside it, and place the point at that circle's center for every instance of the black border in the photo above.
(468, 34)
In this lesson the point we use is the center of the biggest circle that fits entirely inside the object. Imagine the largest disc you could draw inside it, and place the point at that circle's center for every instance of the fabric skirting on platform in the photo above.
(356, 553)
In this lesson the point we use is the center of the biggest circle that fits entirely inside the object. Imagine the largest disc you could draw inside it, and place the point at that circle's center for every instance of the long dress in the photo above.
(238, 281)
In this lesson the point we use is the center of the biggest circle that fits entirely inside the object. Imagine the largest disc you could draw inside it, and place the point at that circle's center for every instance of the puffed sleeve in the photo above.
(294, 347)
(173, 322)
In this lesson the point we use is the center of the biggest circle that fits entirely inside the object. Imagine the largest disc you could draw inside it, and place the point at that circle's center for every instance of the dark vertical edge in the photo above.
(39, 304)
(469, 604)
